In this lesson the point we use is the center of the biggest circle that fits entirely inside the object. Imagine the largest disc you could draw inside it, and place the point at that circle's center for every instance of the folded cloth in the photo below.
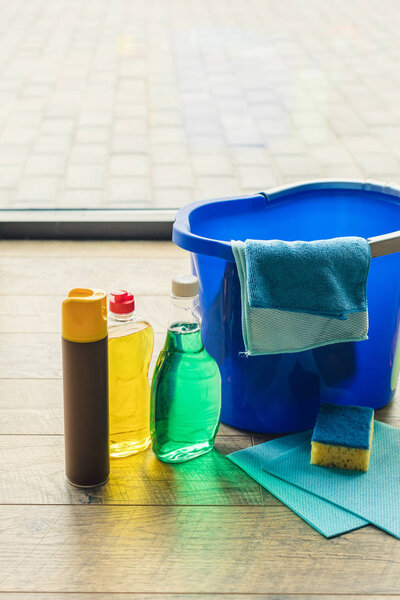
(276, 331)
(373, 496)
(325, 277)
(325, 517)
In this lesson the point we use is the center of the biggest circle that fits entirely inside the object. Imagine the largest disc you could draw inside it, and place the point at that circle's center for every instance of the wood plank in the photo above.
(38, 356)
(35, 407)
(133, 596)
(33, 473)
(42, 314)
(391, 412)
(31, 406)
(52, 276)
(248, 549)
(90, 249)
(32, 356)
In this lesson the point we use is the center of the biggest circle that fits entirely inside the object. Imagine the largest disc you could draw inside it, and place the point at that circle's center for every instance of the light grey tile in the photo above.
(173, 176)
(96, 118)
(45, 164)
(132, 126)
(128, 144)
(82, 199)
(216, 187)
(129, 189)
(13, 155)
(89, 154)
(216, 101)
(7, 198)
(52, 144)
(348, 171)
(57, 126)
(129, 165)
(257, 177)
(162, 154)
(92, 135)
(9, 176)
(213, 164)
(249, 156)
(298, 166)
(33, 189)
(17, 135)
(167, 135)
(85, 177)
(172, 198)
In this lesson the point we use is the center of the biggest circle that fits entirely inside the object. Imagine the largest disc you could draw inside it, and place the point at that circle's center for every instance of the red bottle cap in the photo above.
(122, 302)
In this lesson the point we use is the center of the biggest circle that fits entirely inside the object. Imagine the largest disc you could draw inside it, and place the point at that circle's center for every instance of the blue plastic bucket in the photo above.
(282, 393)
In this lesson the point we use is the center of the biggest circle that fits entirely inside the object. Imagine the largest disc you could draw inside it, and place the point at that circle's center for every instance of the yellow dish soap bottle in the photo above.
(130, 347)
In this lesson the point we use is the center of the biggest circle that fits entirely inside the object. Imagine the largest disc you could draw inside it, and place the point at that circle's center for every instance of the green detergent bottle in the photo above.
(186, 386)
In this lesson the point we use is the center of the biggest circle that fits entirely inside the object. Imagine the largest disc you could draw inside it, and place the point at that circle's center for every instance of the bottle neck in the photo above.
(121, 318)
(184, 314)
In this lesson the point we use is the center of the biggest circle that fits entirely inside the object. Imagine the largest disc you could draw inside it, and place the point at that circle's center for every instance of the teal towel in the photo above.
(274, 331)
(325, 517)
(373, 496)
(326, 277)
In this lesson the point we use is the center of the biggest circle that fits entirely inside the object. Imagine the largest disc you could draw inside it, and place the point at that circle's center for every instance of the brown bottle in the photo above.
(85, 383)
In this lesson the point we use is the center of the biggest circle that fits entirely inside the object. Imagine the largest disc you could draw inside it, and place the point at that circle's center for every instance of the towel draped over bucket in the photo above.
(300, 295)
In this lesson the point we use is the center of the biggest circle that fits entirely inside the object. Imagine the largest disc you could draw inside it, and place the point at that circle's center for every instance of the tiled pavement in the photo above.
(132, 103)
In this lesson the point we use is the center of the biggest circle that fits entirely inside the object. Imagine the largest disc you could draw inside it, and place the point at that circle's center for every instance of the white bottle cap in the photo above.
(185, 286)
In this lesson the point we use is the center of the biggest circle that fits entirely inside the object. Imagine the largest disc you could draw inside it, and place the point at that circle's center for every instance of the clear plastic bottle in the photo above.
(130, 347)
(186, 386)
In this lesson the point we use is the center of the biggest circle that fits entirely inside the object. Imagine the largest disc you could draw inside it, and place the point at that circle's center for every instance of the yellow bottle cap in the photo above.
(84, 315)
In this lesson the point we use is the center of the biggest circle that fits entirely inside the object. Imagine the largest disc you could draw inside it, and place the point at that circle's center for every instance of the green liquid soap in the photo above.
(185, 396)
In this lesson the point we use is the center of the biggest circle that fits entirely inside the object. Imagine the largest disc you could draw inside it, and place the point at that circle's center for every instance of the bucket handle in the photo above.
(380, 245)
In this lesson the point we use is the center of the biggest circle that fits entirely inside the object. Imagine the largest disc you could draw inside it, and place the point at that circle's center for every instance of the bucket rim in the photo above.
(183, 237)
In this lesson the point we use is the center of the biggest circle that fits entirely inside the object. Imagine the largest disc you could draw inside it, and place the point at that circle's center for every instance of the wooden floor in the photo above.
(200, 530)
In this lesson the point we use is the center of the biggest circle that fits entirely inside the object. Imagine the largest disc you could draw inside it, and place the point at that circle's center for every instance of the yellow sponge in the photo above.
(343, 437)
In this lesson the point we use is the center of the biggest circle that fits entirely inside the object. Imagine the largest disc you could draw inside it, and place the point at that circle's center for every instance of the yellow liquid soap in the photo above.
(130, 347)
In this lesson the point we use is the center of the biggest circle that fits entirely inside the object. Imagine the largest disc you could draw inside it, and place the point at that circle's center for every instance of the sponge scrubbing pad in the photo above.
(342, 437)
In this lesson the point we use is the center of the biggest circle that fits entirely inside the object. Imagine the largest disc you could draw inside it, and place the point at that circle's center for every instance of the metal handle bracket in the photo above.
(389, 243)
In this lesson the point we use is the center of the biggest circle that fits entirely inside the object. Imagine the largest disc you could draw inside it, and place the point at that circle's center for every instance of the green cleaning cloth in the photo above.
(276, 331)
(325, 517)
(373, 496)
